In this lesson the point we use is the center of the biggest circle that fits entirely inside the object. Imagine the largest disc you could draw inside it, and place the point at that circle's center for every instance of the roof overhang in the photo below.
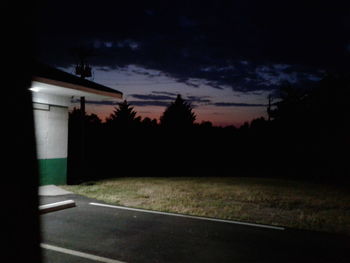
(61, 88)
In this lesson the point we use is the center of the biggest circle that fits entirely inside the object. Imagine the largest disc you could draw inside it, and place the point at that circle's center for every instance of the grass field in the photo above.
(268, 201)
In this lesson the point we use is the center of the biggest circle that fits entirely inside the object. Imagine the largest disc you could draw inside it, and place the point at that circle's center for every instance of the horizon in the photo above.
(151, 96)
(224, 58)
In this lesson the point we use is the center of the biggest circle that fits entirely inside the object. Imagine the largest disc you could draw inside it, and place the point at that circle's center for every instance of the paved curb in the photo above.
(43, 209)
(52, 190)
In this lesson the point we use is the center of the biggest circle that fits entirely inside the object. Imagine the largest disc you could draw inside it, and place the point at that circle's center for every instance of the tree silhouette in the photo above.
(123, 116)
(292, 105)
(178, 115)
(91, 120)
(148, 123)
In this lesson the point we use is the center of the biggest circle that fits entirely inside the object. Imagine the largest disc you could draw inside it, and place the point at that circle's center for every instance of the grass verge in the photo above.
(266, 201)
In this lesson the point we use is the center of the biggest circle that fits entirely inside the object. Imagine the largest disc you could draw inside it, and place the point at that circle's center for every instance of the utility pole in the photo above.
(83, 70)
(82, 138)
(269, 107)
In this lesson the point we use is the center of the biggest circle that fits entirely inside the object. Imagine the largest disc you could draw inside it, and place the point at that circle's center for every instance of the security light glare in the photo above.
(34, 89)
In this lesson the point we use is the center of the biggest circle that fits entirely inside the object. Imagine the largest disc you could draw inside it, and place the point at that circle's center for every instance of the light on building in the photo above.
(34, 89)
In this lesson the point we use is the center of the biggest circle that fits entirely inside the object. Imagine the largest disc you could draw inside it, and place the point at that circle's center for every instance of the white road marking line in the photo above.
(188, 216)
(79, 254)
(56, 206)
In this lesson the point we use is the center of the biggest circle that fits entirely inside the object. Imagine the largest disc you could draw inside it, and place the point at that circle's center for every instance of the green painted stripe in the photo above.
(53, 171)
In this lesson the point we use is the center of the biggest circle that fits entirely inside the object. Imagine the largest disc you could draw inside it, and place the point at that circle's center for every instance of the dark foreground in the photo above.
(132, 236)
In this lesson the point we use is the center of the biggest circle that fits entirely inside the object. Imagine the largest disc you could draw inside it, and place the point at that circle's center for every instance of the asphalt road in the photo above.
(132, 236)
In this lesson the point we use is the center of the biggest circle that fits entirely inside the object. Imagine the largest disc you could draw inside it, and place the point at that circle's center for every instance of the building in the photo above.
(52, 93)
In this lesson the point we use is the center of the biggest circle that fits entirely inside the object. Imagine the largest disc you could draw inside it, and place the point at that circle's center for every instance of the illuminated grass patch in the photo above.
(267, 201)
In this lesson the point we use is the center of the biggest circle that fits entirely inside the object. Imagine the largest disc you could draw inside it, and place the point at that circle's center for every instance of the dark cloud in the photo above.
(245, 45)
(152, 97)
(215, 85)
(143, 103)
(150, 100)
(194, 85)
(146, 100)
(238, 104)
(198, 99)
(105, 69)
(165, 92)
(140, 103)
(165, 100)
(101, 102)
(146, 73)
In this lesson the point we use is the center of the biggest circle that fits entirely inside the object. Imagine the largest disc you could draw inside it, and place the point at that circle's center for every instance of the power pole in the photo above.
(83, 70)
(269, 107)
(82, 138)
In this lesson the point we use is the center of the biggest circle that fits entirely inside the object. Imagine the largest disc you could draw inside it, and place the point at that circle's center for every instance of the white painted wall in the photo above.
(51, 99)
(51, 126)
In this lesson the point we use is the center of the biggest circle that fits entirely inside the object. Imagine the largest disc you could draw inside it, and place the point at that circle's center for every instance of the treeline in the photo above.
(305, 137)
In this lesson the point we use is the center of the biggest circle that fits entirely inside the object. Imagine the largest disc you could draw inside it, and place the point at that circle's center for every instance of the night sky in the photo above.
(225, 57)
